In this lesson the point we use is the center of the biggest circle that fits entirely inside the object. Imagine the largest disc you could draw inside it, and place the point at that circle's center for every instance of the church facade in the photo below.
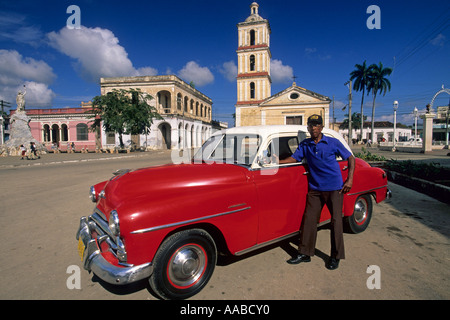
(255, 104)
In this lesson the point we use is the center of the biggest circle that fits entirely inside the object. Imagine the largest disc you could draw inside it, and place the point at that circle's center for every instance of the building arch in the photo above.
(164, 140)
(164, 101)
(186, 101)
(179, 101)
(64, 132)
(55, 136)
(187, 136)
(252, 37)
(252, 62)
(46, 133)
(180, 136)
(191, 106)
(443, 90)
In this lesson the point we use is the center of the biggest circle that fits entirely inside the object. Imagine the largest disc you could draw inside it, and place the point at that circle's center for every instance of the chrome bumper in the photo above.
(388, 194)
(94, 261)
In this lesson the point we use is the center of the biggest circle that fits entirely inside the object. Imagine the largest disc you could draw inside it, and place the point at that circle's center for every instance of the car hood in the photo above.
(170, 182)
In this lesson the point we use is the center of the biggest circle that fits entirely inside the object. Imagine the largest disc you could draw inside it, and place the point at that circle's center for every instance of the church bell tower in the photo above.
(253, 53)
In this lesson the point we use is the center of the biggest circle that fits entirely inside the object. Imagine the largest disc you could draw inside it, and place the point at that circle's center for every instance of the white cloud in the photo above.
(13, 66)
(312, 53)
(279, 72)
(97, 53)
(192, 72)
(15, 71)
(14, 26)
(229, 70)
(38, 94)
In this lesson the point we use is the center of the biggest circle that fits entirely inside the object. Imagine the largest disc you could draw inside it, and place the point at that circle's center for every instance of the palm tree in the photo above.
(378, 83)
(361, 77)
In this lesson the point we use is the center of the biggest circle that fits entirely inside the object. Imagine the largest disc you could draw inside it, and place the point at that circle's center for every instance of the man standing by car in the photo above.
(325, 187)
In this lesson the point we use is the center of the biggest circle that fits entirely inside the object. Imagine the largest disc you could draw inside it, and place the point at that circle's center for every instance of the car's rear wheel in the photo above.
(362, 214)
(183, 264)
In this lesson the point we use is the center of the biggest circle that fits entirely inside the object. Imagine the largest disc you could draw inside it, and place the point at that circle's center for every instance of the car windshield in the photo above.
(236, 148)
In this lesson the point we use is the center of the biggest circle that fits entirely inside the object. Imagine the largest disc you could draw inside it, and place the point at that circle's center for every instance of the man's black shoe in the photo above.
(332, 264)
(299, 258)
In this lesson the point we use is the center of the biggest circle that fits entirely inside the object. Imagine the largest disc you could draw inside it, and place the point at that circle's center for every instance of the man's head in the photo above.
(315, 125)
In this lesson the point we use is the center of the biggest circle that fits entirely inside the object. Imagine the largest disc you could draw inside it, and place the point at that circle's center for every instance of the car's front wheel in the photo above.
(183, 264)
(362, 213)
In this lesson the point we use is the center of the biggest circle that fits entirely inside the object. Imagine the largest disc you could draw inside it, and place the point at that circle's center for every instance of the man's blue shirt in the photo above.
(324, 170)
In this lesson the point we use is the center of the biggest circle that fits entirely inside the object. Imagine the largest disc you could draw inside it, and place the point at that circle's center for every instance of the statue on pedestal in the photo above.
(20, 99)
(20, 130)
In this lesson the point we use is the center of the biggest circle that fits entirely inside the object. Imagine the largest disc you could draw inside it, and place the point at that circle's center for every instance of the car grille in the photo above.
(116, 246)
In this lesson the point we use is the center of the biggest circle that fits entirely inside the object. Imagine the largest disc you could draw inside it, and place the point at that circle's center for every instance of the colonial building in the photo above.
(186, 112)
(56, 128)
(255, 104)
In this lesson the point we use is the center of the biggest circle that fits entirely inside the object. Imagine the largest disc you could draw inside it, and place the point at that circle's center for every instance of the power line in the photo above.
(422, 41)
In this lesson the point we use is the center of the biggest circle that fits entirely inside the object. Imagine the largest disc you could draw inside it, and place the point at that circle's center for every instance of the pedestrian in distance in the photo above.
(23, 151)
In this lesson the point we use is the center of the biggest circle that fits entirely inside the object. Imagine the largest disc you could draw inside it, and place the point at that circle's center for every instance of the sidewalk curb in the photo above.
(24, 165)
(434, 190)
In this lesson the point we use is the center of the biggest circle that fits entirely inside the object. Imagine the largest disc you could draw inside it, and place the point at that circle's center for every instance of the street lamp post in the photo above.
(395, 121)
(2, 136)
(416, 113)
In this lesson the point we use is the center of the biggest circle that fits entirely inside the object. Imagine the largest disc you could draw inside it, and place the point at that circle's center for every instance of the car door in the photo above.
(281, 190)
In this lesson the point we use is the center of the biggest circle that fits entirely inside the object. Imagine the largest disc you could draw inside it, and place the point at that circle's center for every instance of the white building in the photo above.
(384, 132)
(186, 113)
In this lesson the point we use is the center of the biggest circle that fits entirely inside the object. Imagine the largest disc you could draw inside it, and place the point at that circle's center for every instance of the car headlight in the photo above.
(92, 194)
(114, 223)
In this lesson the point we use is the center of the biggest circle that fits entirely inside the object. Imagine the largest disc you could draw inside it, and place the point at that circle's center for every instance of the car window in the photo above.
(239, 149)
(285, 146)
(282, 147)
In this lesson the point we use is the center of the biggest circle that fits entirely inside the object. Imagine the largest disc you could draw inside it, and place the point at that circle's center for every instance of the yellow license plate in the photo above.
(81, 248)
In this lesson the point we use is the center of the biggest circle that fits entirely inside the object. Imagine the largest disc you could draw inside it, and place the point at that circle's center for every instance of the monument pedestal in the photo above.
(20, 135)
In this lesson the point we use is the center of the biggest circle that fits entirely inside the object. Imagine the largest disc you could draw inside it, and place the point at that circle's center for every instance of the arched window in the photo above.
(252, 37)
(179, 100)
(64, 133)
(46, 133)
(252, 90)
(55, 133)
(252, 63)
(82, 132)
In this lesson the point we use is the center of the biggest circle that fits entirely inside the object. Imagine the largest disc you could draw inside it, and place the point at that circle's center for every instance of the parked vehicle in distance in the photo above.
(417, 141)
(168, 223)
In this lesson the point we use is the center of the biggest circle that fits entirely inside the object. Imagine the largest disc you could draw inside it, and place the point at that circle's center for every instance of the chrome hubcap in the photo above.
(360, 212)
(187, 265)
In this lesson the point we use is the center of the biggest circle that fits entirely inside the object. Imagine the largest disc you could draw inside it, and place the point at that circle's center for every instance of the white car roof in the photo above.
(266, 131)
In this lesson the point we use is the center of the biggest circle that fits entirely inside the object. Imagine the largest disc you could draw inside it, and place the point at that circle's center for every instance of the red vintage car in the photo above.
(168, 223)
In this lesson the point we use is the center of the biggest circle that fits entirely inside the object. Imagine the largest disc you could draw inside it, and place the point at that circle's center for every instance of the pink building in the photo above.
(59, 128)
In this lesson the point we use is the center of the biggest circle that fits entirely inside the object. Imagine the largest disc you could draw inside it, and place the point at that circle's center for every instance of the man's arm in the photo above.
(351, 170)
(287, 160)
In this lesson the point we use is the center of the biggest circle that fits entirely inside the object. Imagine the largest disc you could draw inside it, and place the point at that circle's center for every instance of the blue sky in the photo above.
(317, 41)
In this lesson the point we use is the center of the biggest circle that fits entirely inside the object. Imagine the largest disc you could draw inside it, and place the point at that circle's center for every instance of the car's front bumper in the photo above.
(90, 253)
(388, 194)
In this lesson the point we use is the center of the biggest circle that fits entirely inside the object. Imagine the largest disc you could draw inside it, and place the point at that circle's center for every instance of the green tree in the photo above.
(124, 112)
(356, 121)
(378, 83)
(360, 78)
